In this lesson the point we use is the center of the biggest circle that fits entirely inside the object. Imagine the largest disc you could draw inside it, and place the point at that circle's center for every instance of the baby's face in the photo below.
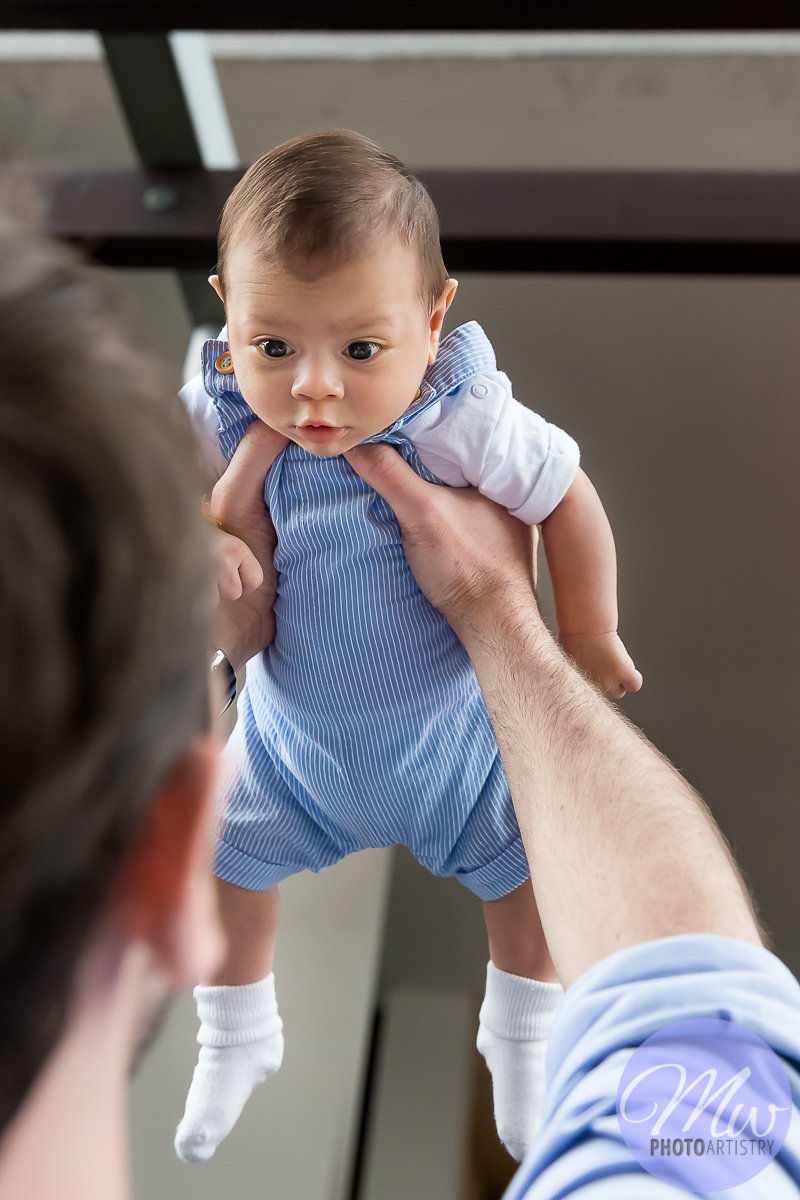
(331, 361)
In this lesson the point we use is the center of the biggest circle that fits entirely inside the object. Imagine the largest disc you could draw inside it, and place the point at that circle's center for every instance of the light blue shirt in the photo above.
(613, 1008)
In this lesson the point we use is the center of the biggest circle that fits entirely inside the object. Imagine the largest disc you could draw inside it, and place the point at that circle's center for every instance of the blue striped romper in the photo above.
(362, 724)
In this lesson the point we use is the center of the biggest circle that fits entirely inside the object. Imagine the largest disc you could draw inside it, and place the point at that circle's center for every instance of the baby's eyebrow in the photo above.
(366, 322)
(264, 320)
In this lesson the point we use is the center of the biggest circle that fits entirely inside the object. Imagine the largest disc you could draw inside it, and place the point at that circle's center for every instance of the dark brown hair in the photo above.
(104, 608)
(327, 198)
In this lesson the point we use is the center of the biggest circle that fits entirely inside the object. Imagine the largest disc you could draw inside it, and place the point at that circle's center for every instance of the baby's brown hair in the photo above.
(327, 198)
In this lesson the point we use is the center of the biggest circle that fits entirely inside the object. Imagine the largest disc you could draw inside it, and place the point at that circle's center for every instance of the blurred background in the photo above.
(682, 393)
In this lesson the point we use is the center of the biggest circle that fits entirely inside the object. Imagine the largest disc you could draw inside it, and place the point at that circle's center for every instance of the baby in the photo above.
(362, 724)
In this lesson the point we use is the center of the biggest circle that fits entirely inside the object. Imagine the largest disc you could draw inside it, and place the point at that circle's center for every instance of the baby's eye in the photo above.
(362, 350)
(273, 347)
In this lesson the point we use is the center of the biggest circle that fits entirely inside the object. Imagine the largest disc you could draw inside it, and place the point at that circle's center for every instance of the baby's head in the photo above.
(334, 288)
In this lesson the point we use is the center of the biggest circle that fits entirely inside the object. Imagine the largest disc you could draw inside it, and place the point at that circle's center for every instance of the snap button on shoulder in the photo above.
(480, 390)
(224, 363)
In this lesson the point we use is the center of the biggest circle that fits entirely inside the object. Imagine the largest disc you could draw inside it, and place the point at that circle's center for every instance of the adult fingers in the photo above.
(389, 474)
(258, 439)
(239, 492)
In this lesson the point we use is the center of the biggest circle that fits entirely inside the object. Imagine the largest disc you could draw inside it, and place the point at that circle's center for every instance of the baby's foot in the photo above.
(241, 1043)
(515, 1021)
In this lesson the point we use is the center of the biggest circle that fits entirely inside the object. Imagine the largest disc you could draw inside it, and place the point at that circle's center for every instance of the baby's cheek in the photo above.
(384, 412)
(255, 395)
(351, 440)
(264, 410)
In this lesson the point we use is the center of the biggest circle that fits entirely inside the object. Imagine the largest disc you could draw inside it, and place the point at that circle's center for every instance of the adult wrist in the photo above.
(232, 633)
(224, 675)
(504, 614)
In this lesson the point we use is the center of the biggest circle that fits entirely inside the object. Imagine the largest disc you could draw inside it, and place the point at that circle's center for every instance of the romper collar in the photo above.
(463, 352)
(213, 354)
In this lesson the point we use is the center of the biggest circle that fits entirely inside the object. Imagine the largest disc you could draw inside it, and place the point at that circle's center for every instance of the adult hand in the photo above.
(244, 626)
(470, 557)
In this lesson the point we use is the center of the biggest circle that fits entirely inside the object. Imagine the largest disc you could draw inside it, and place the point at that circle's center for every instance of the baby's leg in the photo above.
(516, 938)
(522, 993)
(250, 921)
(241, 1039)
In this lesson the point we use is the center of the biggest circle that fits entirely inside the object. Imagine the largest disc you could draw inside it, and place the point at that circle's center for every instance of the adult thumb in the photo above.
(385, 470)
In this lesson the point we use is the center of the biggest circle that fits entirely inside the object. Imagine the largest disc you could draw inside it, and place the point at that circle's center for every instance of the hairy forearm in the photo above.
(622, 849)
(582, 561)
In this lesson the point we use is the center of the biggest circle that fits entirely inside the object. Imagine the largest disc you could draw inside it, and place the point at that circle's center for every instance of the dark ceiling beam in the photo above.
(145, 76)
(547, 15)
(592, 222)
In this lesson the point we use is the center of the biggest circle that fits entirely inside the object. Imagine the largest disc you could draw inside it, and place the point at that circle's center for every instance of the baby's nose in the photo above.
(316, 382)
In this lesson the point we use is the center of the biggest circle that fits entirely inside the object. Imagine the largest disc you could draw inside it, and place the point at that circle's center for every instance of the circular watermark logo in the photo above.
(704, 1104)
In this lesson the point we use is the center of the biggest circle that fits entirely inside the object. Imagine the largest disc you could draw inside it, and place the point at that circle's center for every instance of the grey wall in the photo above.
(725, 112)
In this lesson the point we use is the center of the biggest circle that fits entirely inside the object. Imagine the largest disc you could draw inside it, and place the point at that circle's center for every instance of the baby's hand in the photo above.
(603, 657)
(238, 569)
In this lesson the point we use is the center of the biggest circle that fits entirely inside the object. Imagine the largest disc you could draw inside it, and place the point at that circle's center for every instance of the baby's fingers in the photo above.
(233, 582)
(238, 569)
(630, 681)
(634, 681)
(251, 575)
(229, 585)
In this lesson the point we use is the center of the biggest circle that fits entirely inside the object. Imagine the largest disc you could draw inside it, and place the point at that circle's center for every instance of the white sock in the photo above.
(515, 1021)
(241, 1043)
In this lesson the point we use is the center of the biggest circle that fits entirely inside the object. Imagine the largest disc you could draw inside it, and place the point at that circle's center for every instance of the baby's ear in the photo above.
(217, 286)
(437, 318)
(443, 303)
(451, 287)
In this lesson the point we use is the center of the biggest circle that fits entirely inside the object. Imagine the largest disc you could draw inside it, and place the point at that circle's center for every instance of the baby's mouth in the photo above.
(320, 433)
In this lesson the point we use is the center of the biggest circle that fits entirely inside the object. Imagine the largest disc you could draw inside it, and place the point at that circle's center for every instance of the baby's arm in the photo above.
(232, 505)
(479, 434)
(582, 561)
(237, 503)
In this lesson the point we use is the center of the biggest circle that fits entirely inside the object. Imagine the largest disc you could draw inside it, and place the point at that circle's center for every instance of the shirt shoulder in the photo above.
(473, 404)
(452, 429)
(205, 422)
(612, 1009)
(478, 433)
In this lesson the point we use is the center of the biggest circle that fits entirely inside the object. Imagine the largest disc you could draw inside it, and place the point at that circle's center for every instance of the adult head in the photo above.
(105, 598)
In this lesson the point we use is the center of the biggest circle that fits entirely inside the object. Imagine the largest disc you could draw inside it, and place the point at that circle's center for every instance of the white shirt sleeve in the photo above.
(479, 434)
(200, 408)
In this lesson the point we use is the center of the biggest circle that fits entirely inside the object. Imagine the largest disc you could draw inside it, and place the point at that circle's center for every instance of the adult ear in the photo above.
(437, 317)
(214, 280)
(165, 897)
